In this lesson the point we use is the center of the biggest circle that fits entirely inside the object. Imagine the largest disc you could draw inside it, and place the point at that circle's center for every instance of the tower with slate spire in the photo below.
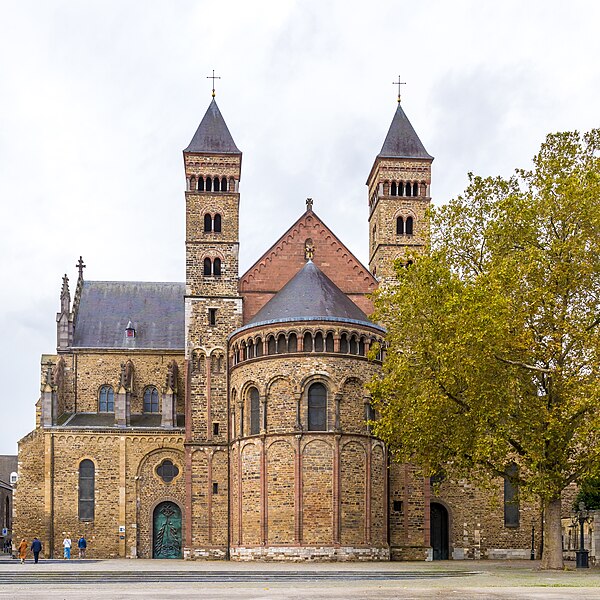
(399, 196)
(213, 308)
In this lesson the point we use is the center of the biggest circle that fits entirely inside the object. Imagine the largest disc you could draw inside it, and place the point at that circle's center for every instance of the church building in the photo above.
(226, 417)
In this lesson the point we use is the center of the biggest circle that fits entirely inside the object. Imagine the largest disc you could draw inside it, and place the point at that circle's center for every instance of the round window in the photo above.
(167, 471)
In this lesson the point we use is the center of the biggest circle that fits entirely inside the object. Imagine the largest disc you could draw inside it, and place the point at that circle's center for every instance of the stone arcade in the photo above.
(226, 417)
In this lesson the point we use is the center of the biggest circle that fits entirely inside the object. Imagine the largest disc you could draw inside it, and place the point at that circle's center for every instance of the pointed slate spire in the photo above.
(402, 140)
(212, 135)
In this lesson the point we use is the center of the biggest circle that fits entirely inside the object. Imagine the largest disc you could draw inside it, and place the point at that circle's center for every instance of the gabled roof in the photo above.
(402, 140)
(309, 295)
(280, 263)
(156, 311)
(212, 135)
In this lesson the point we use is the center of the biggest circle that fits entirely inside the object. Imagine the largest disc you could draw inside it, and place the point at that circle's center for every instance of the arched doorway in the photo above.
(166, 527)
(439, 531)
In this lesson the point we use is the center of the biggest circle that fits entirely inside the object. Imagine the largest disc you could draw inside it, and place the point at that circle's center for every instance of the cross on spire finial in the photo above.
(399, 83)
(81, 266)
(213, 82)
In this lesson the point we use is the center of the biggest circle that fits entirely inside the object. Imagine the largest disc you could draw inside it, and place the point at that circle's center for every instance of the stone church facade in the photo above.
(227, 416)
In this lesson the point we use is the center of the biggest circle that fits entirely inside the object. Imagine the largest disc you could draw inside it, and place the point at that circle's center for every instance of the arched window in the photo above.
(207, 267)
(87, 472)
(271, 345)
(217, 267)
(511, 496)
(106, 399)
(150, 399)
(292, 343)
(344, 344)
(317, 407)
(281, 344)
(415, 189)
(329, 342)
(208, 222)
(399, 226)
(401, 189)
(369, 415)
(250, 349)
(259, 347)
(308, 342)
(394, 190)
(217, 223)
(318, 342)
(409, 225)
(254, 411)
(361, 346)
(208, 184)
(353, 345)
(217, 184)
(200, 184)
(224, 184)
(192, 183)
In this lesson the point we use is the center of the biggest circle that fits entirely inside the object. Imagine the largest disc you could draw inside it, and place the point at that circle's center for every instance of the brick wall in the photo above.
(287, 256)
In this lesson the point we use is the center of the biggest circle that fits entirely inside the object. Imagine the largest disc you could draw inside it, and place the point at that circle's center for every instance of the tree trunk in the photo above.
(553, 553)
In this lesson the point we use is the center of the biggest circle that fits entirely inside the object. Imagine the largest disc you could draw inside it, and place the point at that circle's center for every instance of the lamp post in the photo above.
(581, 517)
(532, 555)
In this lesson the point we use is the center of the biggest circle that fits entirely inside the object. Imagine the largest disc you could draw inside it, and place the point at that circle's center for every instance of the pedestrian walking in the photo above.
(36, 548)
(67, 547)
(82, 545)
(23, 550)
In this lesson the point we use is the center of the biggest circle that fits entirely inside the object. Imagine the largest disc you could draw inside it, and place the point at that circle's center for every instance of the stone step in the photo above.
(111, 577)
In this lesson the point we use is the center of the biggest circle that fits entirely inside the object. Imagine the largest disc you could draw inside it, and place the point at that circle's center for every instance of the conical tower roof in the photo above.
(212, 135)
(402, 140)
(309, 295)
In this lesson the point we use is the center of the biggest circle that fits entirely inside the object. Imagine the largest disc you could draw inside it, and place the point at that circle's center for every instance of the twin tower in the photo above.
(280, 462)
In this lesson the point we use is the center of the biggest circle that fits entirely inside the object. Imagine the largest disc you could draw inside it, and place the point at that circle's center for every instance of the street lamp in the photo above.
(581, 516)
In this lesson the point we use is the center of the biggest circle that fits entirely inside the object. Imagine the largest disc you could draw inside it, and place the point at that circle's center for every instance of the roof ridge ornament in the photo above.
(399, 83)
(309, 204)
(213, 82)
(81, 266)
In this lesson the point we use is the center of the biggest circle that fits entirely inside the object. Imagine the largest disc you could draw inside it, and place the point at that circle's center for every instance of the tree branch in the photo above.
(517, 363)
(517, 446)
(452, 397)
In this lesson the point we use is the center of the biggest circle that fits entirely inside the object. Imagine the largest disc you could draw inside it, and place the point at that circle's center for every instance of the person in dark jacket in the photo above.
(82, 545)
(36, 548)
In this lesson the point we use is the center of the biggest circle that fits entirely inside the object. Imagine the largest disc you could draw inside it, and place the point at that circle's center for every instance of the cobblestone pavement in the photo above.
(166, 580)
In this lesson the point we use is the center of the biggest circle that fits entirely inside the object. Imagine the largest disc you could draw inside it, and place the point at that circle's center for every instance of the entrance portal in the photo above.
(166, 542)
(439, 531)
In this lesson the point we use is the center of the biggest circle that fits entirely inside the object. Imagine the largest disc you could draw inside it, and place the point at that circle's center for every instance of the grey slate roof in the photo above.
(309, 295)
(212, 134)
(402, 140)
(156, 311)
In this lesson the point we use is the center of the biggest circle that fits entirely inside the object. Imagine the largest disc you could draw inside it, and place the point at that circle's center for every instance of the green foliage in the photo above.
(494, 333)
(589, 494)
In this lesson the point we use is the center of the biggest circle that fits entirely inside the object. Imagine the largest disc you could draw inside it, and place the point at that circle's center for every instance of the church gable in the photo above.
(288, 255)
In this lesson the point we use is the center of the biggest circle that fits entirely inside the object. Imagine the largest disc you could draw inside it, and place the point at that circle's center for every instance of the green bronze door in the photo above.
(167, 531)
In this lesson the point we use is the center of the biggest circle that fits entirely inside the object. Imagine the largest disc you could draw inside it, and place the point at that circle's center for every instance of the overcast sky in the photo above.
(98, 99)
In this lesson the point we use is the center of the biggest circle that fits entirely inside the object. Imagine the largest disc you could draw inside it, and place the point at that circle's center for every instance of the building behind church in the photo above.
(227, 416)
